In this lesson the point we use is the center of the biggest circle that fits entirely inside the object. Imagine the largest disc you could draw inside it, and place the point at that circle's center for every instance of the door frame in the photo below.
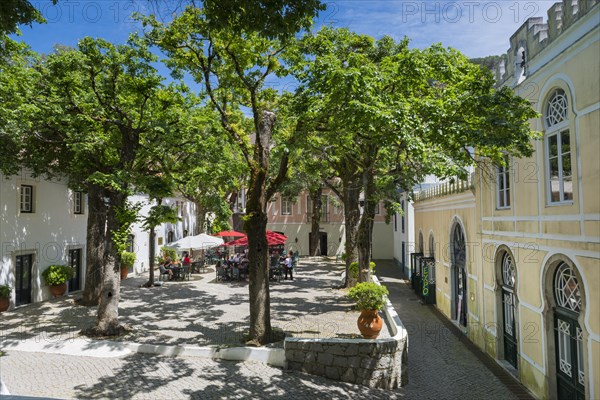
(81, 269)
(456, 269)
(33, 276)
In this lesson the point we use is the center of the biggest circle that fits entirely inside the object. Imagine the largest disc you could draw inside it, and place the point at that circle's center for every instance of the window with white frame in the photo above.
(503, 185)
(324, 208)
(26, 199)
(558, 149)
(286, 206)
(78, 202)
(403, 214)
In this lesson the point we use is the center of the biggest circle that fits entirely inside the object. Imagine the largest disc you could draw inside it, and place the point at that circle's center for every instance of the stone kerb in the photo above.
(376, 363)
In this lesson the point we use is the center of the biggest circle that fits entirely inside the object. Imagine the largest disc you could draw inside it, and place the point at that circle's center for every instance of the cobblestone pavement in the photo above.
(201, 311)
(440, 366)
(140, 376)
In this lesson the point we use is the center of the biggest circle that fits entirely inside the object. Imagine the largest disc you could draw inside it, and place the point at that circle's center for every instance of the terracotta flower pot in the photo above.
(58, 290)
(4, 303)
(124, 273)
(370, 323)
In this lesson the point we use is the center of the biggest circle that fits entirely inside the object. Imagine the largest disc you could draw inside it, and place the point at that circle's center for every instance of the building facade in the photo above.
(44, 222)
(517, 249)
(292, 217)
(41, 223)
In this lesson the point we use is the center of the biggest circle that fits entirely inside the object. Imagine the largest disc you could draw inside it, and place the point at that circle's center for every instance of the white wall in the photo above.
(48, 233)
(141, 245)
(408, 236)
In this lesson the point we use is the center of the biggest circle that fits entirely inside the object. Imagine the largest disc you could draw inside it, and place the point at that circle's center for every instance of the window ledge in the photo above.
(560, 203)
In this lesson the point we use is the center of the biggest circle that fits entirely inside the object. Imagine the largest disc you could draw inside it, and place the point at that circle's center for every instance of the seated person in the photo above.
(165, 268)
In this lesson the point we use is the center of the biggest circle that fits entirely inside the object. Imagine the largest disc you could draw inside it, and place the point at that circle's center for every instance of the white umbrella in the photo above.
(198, 242)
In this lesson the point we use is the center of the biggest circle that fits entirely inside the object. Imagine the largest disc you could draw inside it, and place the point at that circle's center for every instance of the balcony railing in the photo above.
(445, 189)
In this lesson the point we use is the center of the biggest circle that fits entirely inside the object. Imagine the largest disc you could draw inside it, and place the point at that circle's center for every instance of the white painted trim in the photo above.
(450, 198)
(571, 253)
(540, 368)
(567, 238)
(449, 207)
(493, 332)
(473, 277)
(537, 310)
(562, 217)
(488, 287)
(589, 109)
(475, 317)
(590, 372)
(445, 264)
(586, 319)
(576, 33)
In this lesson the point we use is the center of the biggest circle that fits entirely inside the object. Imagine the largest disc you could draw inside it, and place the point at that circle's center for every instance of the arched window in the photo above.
(568, 334)
(566, 289)
(170, 237)
(558, 148)
(459, 249)
(459, 274)
(556, 108)
(420, 242)
(509, 326)
(431, 246)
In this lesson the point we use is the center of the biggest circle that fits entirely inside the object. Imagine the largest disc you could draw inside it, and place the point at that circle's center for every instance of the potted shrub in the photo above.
(56, 276)
(127, 260)
(4, 297)
(370, 298)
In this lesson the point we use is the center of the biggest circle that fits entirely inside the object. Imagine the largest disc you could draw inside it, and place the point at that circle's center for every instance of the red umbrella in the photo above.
(273, 239)
(230, 234)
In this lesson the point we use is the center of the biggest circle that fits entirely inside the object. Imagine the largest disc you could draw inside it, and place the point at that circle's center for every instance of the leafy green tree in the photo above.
(232, 51)
(96, 110)
(395, 114)
(205, 167)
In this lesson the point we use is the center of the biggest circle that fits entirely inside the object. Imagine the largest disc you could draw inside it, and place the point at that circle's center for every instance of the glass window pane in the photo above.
(565, 143)
(507, 198)
(566, 164)
(554, 168)
(568, 188)
(552, 146)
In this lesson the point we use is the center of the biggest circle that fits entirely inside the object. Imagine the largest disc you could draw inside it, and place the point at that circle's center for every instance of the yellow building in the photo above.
(517, 249)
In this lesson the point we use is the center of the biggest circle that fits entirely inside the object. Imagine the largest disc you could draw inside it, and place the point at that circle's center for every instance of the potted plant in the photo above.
(4, 297)
(370, 298)
(127, 260)
(56, 276)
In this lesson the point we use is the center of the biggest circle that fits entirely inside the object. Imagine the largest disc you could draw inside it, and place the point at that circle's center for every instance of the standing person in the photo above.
(186, 263)
(289, 265)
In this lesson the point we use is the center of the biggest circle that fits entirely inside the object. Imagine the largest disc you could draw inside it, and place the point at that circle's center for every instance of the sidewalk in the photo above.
(199, 312)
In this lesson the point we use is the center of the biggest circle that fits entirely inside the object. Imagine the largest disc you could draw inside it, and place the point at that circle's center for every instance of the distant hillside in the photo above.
(488, 62)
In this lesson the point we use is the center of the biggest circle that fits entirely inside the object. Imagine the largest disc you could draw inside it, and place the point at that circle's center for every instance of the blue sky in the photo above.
(477, 28)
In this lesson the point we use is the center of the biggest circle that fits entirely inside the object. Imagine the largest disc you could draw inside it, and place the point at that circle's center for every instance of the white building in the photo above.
(44, 223)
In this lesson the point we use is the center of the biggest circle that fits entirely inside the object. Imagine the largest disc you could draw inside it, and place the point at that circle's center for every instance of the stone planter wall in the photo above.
(377, 363)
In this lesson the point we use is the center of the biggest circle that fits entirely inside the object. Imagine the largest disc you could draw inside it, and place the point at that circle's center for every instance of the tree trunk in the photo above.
(315, 219)
(107, 323)
(151, 255)
(95, 243)
(200, 219)
(365, 227)
(256, 227)
(351, 193)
